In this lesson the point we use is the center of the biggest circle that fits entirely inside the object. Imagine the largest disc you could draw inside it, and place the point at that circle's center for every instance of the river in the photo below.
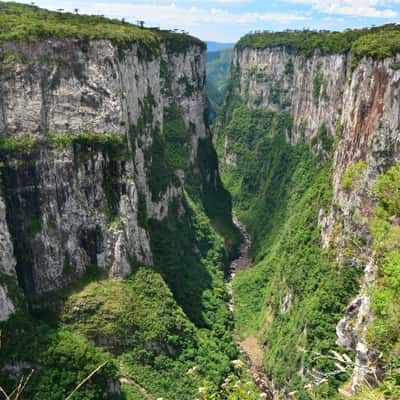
(250, 347)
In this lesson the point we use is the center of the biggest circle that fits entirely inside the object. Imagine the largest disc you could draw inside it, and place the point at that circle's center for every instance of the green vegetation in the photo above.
(237, 386)
(131, 312)
(289, 68)
(110, 142)
(152, 327)
(160, 322)
(389, 390)
(377, 42)
(381, 43)
(169, 151)
(323, 139)
(218, 66)
(290, 261)
(29, 23)
(177, 139)
(197, 282)
(205, 184)
(353, 173)
(10, 145)
(160, 174)
(61, 358)
(278, 190)
(384, 331)
(139, 320)
(179, 42)
(317, 86)
(276, 90)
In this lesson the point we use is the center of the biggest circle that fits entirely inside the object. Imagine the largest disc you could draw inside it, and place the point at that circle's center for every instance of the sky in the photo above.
(228, 20)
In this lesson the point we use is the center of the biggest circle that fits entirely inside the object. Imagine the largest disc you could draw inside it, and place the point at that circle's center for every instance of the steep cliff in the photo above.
(108, 172)
(310, 120)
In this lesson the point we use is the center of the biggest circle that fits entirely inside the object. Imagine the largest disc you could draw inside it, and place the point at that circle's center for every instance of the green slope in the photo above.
(278, 190)
(218, 73)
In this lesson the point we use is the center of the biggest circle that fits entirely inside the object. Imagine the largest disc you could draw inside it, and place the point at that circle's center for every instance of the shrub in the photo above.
(353, 173)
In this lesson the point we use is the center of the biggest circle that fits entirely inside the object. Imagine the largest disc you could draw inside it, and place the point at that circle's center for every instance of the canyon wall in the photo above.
(348, 113)
(83, 128)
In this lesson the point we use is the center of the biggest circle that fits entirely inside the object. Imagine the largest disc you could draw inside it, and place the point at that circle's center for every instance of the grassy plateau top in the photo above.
(20, 22)
(377, 42)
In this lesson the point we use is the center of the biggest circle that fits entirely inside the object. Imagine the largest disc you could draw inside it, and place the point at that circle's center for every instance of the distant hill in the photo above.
(218, 73)
(216, 46)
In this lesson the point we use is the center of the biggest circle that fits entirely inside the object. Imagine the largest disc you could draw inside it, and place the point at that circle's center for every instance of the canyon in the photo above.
(118, 244)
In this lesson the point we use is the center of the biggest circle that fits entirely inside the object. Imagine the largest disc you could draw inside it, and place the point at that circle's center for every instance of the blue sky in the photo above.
(228, 20)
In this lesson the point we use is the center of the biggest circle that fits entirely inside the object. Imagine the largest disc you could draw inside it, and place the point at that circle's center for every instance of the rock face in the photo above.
(88, 121)
(369, 134)
(310, 88)
(359, 110)
(7, 265)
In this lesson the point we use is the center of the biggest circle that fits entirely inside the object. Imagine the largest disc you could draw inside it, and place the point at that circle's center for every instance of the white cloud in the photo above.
(173, 15)
(233, 1)
(355, 8)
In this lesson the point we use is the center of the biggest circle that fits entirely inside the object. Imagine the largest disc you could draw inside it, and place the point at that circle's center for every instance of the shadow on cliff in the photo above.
(186, 255)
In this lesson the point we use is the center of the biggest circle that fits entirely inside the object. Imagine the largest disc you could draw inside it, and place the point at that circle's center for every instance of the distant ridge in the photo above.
(216, 46)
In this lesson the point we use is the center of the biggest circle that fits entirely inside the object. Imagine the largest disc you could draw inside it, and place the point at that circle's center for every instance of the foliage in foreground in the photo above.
(69, 358)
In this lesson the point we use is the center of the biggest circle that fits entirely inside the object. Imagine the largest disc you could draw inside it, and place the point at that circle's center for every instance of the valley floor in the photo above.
(249, 347)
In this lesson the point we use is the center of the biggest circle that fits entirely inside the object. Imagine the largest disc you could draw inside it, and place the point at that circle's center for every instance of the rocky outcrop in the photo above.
(82, 127)
(7, 266)
(7, 261)
(7, 308)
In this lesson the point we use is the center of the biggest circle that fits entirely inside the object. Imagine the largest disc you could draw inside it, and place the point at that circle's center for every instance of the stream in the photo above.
(250, 347)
